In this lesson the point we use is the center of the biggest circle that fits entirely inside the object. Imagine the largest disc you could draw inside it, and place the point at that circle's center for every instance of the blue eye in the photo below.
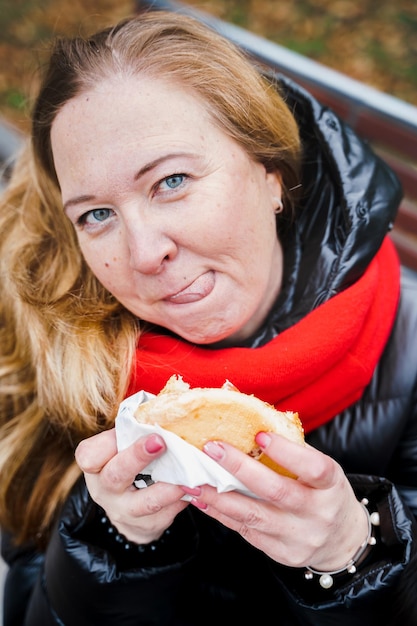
(100, 214)
(95, 216)
(174, 181)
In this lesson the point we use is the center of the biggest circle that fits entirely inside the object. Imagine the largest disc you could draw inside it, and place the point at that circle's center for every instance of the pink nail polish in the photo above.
(153, 444)
(215, 450)
(192, 491)
(199, 505)
(263, 439)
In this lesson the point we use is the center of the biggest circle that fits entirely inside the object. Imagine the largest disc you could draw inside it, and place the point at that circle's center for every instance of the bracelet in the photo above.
(326, 578)
(123, 543)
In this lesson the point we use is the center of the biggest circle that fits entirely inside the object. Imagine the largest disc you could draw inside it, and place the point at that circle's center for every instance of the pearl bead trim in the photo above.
(326, 578)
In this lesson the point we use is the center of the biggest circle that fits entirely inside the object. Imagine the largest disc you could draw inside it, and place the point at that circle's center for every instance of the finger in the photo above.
(255, 520)
(119, 473)
(156, 498)
(312, 467)
(93, 453)
(147, 512)
(266, 483)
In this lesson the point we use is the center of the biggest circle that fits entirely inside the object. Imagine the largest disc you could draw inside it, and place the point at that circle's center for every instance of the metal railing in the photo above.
(388, 123)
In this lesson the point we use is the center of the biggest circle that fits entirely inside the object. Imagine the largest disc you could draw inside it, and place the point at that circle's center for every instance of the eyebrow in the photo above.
(143, 170)
(78, 200)
(149, 166)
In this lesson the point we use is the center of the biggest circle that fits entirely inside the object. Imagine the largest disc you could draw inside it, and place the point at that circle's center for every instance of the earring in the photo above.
(280, 206)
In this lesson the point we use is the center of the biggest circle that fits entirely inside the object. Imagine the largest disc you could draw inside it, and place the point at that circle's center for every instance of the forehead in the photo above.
(120, 110)
(136, 99)
(123, 124)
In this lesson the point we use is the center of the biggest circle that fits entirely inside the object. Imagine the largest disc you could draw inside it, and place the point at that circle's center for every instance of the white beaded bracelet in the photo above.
(326, 578)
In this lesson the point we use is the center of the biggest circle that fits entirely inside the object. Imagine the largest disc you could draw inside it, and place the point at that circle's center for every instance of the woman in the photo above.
(178, 212)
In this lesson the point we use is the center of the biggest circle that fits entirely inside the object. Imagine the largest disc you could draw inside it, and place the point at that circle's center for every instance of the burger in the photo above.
(202, 414)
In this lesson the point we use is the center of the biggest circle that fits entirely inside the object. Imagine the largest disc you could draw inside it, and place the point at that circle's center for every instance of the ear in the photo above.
(274, 185)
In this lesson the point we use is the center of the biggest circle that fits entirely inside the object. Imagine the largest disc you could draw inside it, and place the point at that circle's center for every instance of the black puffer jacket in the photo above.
(208, 574)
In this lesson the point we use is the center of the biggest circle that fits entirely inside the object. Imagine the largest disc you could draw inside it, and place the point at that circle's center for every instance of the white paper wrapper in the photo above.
(182, 463)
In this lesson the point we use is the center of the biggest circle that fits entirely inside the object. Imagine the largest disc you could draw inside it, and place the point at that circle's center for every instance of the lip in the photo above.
(200, 288)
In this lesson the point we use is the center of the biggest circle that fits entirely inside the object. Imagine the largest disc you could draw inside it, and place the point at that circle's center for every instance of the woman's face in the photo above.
(172, 216)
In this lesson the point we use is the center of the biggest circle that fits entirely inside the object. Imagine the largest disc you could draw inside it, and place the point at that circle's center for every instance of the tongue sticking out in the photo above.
(198, 290)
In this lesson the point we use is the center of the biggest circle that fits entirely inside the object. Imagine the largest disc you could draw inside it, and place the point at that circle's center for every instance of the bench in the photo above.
(10, 142)
(389, 124)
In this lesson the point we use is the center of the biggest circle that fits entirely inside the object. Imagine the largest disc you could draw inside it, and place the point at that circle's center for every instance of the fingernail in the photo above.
(215, 450)
(199, 505)
(154, 444)
(263, 439)
(192, 491)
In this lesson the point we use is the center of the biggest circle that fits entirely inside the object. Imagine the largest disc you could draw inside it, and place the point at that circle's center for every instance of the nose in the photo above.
(150, 247)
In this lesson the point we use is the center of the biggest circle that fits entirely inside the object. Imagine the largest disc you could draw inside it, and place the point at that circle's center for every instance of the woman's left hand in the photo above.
(314, 520)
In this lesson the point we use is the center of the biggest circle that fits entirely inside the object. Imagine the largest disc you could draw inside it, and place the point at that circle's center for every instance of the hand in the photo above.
(141, 515)
(315, 520)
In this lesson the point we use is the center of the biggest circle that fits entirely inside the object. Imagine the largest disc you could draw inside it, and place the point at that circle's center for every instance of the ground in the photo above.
(374, 41)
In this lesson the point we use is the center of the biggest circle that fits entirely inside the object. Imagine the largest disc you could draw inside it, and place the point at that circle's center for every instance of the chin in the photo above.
(203, 339)
(214, 337)
(216, 340)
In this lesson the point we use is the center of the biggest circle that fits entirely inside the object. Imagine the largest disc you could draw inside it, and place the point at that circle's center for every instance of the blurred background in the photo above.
(374, 41)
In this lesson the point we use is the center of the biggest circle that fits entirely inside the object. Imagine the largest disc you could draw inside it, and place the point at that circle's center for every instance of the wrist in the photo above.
(131, 536)
(167, 549)
(344, 541)
(141, 546)
(326, 576)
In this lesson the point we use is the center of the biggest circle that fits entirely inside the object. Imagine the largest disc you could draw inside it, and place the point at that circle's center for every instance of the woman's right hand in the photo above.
(141, 515)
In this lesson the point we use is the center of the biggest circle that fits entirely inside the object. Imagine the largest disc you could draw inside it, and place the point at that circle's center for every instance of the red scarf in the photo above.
(318, 367)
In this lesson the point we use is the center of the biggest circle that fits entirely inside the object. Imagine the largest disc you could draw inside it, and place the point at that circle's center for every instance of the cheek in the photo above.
(110, 274)
(106, 267)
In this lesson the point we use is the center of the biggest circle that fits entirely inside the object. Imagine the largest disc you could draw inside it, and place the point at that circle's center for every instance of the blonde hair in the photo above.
(66, 345)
